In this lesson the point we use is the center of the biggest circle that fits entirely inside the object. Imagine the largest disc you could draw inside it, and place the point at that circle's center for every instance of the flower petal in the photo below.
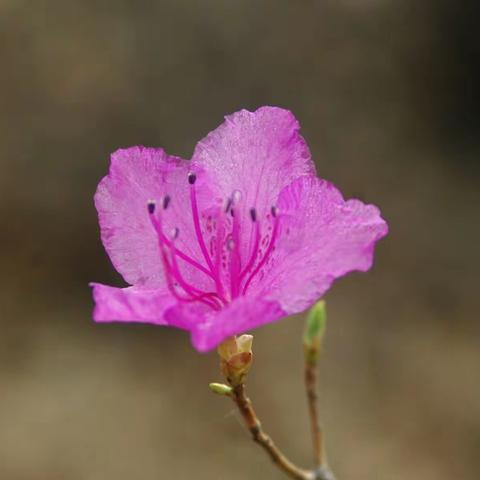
(209, 329)
(257, 153)
(130, 304)
(136, 176)
(322, 237)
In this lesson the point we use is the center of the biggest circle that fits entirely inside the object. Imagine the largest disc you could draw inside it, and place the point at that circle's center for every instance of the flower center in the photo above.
(230, 261)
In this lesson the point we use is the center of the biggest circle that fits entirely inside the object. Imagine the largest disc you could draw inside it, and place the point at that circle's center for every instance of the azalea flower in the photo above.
(242, 234)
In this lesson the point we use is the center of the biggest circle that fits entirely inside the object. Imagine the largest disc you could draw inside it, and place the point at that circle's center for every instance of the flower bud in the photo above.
(236, 358)
(220, 389)
(315, 331)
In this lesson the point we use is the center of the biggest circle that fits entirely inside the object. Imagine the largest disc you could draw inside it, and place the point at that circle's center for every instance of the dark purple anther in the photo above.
(166, 201)
(151, 207)
(192, 178)
(229, 205)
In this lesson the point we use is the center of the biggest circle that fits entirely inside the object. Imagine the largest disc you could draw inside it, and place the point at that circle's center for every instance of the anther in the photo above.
(253, 214)
(237, 196)
(274, 211)
(166, 201)
(192, 178)
(151, 206)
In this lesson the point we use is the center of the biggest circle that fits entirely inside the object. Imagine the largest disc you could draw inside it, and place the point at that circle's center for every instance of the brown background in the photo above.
(386, 94)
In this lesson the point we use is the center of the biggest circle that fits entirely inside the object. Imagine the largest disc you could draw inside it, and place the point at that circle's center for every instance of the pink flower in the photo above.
(241, 235)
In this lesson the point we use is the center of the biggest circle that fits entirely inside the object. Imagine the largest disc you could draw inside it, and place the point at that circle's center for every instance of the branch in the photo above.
(259, 436)
(312, 397)
(236, 360)
(312, 344)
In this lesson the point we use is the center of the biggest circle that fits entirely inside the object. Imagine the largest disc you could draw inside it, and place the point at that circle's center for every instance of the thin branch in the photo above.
(312, 397)
(253, 424)
(322, 471)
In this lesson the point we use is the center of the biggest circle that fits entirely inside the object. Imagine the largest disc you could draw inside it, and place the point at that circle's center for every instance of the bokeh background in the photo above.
(386, 92)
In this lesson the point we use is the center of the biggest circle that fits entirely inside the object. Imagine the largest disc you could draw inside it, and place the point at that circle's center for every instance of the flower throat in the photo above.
(224, 254)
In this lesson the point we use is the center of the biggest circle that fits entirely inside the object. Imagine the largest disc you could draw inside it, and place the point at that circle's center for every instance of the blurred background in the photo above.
(387, 95)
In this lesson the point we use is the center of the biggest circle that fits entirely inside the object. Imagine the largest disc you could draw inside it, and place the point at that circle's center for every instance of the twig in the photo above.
(312, 397)
(235, 362)
(259, 436)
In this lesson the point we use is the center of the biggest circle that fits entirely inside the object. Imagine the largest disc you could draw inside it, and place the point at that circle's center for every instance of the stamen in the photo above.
(192, 178)
(166, 265)
(195, 293)
(267, 253)
(256, 244)
(166, 201)
(196, 222)
(229, 205)
(234, 246)
(151, 206)
(236, 196)
(151, 210)
(217, 273)
(172, 269)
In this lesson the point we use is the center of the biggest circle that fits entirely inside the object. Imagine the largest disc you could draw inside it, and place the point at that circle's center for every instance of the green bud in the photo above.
(315, 330)
(220, 389)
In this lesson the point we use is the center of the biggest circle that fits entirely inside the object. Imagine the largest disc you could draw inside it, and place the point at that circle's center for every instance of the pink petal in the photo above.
(257, 153)
(209, 329)
(322, 237)
(137, 175)
(130, 304)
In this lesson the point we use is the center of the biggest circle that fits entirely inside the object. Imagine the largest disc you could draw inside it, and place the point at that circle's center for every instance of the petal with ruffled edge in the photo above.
(257, 153)
(208, 329)
(136, 176)
(130, 304)
(322, 237)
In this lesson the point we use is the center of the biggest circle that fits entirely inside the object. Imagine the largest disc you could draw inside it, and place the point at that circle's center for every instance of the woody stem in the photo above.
(259, 436)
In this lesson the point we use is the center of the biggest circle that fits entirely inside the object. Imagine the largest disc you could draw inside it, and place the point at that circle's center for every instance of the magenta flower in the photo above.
(241, 235)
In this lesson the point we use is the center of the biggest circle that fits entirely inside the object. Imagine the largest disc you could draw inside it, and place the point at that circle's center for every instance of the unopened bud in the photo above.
(315, 331)
(236, 358)
(220, 389)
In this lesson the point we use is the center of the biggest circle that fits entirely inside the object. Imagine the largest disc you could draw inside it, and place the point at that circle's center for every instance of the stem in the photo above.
(312, 397)
(259, 436)
(322, 471)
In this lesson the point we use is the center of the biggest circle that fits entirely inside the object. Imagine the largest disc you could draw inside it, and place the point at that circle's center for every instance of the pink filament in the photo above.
(265, 256)
(201, 241)
(219, 237)
(185, 257)
(190, 289)
(215, 300)
(204, 297)
(254, 253)
(198, 229)
(235, 258)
